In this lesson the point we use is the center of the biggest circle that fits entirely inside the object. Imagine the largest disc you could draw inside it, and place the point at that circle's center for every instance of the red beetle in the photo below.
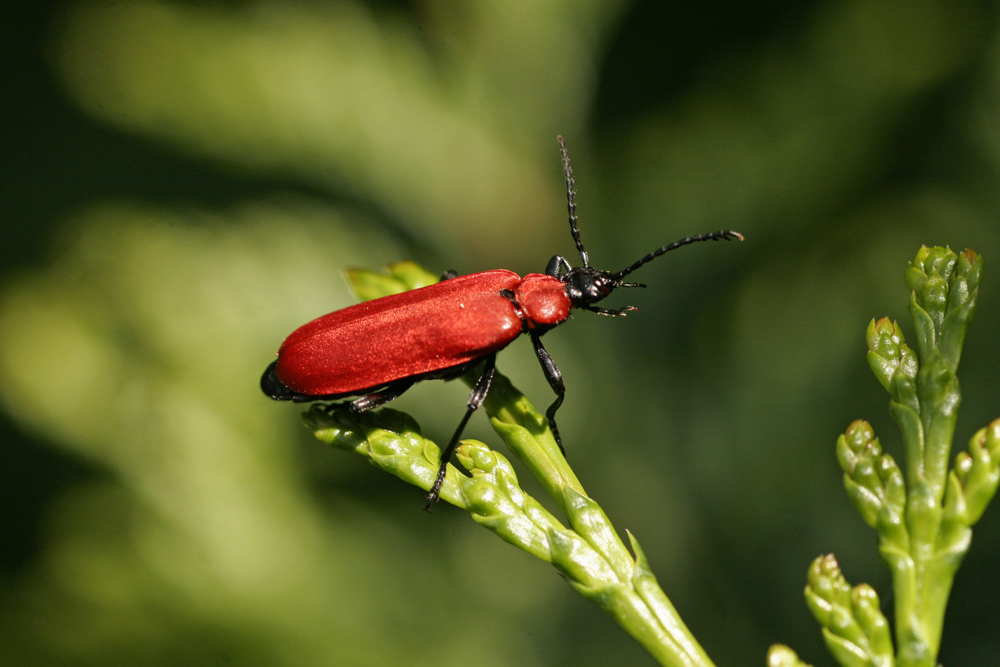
(378, 349)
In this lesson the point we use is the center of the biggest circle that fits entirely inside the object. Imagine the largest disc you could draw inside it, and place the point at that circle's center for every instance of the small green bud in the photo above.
(780, 655)
(893, 484)
(873, 481)
(932, 296)
(885, 341)
(963, 464)
(894, 364)
(827, 590)
(928, 263)
(925, 326)
(944, 287)
(854, 628)
(903, 386)
(891, 524)
(861, 437)
(928, 277)
(846, 652)
(884, 337)
(978, 471)
(961, 306)
(992, 439)
(954, 535)
(869, 614)
(970, 265)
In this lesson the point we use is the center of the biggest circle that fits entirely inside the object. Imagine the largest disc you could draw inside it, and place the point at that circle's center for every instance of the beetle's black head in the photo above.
(586, 285)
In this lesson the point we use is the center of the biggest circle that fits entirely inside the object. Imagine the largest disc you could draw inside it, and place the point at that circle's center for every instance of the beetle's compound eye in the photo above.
(594, 289)
(602, 285)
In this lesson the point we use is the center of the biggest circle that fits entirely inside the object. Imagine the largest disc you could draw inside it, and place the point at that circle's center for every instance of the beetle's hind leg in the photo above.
(380, 398)
(476, 399)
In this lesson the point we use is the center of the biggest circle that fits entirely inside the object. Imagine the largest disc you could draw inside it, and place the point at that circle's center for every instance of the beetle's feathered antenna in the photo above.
(722, 235)
(570, 195)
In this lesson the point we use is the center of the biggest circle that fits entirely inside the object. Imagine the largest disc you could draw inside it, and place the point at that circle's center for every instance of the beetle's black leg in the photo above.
(449, 274)
(380, 398)
(554, 377)
(614, 313)
(558, 267)
(476, 399)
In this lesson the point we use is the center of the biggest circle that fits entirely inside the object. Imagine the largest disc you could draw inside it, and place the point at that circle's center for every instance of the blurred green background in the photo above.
(185, 181)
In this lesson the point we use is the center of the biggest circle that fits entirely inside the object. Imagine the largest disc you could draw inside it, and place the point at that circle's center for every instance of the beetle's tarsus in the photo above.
(617, 312)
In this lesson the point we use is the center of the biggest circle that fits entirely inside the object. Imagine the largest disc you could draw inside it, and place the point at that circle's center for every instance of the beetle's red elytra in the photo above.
(378, 349)
(404, 335)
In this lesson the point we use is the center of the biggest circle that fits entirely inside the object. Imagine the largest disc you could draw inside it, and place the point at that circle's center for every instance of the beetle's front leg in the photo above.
(558, 267)
(554, 376)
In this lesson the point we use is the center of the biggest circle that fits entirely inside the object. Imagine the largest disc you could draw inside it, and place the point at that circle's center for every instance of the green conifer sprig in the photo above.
(923, 516)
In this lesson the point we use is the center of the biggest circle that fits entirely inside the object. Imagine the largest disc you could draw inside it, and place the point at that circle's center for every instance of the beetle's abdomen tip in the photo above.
(272, 386)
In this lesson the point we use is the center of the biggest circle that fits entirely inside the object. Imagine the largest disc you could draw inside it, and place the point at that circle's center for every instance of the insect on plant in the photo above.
(374, 351)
